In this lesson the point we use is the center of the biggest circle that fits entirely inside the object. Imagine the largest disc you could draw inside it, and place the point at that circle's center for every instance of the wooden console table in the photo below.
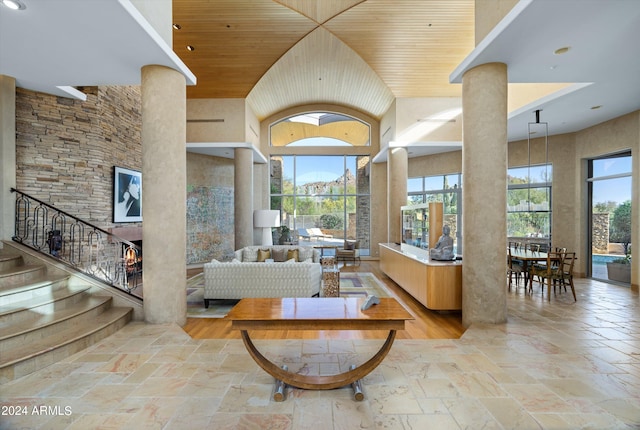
(336, 313)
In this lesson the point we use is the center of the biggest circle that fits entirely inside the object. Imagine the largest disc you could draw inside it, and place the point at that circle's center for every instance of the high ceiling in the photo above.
(361, 54)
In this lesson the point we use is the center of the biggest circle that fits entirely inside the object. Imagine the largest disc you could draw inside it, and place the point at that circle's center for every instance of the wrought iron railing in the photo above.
(77, 243)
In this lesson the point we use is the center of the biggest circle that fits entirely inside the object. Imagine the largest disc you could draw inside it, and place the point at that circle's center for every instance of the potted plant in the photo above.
(285, 235)
(620, 269)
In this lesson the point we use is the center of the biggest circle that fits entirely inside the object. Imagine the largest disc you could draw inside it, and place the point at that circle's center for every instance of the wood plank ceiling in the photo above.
(360, 54)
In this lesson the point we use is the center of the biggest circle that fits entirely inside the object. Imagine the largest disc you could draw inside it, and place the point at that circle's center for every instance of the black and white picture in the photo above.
(127, 195)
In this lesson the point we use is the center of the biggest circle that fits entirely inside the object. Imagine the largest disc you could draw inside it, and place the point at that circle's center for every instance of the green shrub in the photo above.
(331, 221)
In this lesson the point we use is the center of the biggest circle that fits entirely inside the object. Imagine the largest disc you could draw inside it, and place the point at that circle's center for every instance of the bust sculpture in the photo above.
(443, 249)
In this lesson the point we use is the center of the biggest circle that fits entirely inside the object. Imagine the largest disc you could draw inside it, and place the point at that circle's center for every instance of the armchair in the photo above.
(349, 251)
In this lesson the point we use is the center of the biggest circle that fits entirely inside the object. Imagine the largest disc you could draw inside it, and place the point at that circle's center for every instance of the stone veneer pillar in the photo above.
(243, 197)
(397, 173)
(8, 156)
(164, 189)
(484, 179)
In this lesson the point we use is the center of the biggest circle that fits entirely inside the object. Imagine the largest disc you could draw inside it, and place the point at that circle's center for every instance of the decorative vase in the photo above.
(284, 237)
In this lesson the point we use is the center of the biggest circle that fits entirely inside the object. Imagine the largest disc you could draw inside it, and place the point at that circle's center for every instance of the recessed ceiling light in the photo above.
(562, 50)
(190, 48)
(14, 4)
(596, 107)
(177, 26)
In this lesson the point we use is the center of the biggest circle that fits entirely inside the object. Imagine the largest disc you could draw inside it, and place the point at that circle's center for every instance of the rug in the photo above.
(351, 285)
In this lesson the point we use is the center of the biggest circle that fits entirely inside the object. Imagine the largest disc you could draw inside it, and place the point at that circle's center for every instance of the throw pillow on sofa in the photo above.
(250, 255)
(263, 254)
(279, 255)
(305, 253)
(293, 254)
(349, 245)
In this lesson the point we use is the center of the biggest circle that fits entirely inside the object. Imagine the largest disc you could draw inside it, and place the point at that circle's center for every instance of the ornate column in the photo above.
(164, 194)
(484, 178)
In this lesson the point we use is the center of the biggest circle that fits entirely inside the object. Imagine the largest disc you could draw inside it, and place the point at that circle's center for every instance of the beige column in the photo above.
(164, 194)
(397, 173)
(7, 155)
(484, 176)
(243, 197)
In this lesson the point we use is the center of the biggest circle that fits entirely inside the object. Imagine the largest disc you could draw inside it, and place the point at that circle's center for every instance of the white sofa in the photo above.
(246, 277)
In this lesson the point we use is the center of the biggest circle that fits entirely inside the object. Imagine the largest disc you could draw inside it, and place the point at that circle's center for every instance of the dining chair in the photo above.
(565, 274)
(514, 270)
(551, 272)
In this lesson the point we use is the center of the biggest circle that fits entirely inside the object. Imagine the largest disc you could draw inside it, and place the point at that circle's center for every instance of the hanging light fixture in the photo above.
(538, 130)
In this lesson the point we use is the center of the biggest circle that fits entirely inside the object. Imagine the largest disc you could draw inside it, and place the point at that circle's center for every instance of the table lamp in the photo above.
(266, 220)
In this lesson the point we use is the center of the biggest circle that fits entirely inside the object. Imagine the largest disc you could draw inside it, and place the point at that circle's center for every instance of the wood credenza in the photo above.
(435, 284)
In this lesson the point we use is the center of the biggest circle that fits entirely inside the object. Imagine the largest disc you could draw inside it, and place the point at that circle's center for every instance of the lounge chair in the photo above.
(304, 234)
(316, 232)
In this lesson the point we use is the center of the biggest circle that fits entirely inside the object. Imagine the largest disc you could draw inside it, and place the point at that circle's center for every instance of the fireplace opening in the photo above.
(133, 263)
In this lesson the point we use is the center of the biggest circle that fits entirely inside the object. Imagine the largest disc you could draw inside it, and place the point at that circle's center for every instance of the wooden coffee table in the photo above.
(335, 313)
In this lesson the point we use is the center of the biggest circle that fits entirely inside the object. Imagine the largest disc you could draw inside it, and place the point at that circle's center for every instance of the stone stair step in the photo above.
(48, 326)
(44, 285)
(29, 357)
(7, 260)
(32, 307)
(47, 315)
(20, 275)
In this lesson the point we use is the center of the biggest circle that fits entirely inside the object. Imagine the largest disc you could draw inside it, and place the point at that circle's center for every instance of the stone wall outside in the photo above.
(600, 233)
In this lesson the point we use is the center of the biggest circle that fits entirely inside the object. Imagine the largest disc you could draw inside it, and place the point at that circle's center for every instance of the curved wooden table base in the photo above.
(319, 382)
(324, 313)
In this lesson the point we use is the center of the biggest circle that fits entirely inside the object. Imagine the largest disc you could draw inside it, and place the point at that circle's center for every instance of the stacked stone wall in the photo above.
(66, 149)
(600, 233)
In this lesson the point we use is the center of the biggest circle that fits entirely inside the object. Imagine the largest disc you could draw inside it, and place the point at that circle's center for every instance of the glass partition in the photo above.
(415, 225)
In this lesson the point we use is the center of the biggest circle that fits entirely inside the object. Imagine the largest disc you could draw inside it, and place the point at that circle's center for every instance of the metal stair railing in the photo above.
(77, 243)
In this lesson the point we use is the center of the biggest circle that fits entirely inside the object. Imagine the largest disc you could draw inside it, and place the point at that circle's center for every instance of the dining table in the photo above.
(527, 256)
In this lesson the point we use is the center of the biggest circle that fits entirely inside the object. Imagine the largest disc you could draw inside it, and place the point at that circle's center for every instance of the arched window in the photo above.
(320, 129)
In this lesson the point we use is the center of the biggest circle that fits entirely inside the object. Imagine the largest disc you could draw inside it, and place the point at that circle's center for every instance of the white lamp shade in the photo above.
(266, 218)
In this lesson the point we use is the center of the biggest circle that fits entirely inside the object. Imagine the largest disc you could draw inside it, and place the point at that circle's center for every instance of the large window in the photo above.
(328, 192)
(609, 187)
(442, 188)
(529, 202)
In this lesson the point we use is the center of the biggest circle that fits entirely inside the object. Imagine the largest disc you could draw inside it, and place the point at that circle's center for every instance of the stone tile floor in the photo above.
(553, 365)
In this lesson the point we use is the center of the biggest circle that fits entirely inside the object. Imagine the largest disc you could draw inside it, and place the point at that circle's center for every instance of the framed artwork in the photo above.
(127, 195)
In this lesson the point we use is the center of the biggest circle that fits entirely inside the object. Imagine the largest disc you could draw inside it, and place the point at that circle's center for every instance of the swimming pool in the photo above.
(599, 265)
(604, 258)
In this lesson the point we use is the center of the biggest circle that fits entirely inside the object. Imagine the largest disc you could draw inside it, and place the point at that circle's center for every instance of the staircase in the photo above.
(47, 315)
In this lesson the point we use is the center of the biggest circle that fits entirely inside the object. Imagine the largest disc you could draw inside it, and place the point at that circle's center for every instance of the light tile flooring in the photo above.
(553, 365)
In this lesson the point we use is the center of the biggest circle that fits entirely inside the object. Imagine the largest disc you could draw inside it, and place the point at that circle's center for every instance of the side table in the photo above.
(330, 277)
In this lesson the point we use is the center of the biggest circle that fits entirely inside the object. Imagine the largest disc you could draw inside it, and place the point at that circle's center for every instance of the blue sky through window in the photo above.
(616, 189)
(318, 168)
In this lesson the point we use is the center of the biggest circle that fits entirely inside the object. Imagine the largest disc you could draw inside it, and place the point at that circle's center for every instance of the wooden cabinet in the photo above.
(435, 284)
